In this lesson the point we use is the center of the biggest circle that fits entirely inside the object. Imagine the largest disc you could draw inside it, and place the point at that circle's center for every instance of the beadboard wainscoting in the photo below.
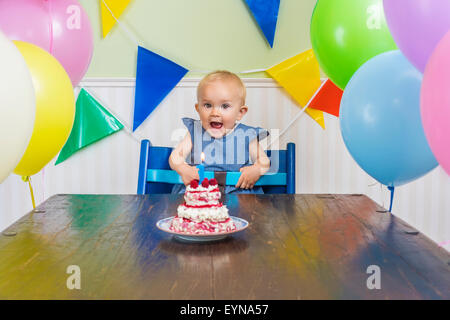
(324, 165)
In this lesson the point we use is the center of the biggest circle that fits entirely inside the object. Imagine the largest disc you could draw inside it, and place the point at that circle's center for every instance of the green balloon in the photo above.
(347, 33)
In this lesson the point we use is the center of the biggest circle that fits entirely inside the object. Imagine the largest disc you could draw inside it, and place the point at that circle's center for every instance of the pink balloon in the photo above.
(26, 20)
(72, 37)
(61, 27)
(435, 102)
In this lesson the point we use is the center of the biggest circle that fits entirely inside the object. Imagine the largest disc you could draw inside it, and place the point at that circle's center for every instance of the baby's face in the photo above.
(220, 106)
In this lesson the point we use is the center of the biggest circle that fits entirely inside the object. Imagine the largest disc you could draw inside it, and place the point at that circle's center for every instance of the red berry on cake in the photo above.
(194, 184)
(213, 182)
(205, 183)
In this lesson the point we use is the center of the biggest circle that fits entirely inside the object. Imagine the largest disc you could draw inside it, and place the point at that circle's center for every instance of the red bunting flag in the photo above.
(328, 99)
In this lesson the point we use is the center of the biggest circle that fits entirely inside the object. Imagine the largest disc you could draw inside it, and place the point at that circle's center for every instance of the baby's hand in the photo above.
(249, 176)
(189, 173)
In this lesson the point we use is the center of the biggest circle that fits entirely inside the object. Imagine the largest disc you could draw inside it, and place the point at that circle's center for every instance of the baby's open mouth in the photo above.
(216, 125)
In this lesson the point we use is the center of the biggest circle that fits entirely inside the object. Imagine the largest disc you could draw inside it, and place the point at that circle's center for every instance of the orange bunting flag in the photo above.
(110, 11)
(328, 99)
(300, 77)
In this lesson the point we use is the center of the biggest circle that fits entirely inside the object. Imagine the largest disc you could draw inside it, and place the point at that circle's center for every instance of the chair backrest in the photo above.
(156, 176)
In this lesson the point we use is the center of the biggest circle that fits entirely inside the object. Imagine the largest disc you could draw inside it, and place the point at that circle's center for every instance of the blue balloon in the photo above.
(381, 123)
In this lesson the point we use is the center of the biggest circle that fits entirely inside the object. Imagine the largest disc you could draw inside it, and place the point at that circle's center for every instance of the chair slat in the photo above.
(170, 176)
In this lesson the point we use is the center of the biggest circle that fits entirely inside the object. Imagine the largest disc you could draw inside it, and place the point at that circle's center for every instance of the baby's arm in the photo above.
(178, 163)
(261, 164)
(259, 157)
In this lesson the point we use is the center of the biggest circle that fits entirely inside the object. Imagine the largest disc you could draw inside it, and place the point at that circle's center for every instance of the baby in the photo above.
(226, 144)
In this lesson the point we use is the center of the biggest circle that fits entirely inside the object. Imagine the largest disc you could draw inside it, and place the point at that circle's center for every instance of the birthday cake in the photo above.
(202, 212)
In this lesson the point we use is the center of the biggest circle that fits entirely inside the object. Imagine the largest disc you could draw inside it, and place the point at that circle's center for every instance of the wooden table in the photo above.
(296, 247)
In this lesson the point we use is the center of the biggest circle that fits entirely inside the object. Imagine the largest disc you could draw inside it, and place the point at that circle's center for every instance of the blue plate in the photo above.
(164, 225)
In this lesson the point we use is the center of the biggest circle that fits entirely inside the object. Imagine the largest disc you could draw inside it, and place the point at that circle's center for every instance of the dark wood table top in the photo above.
(296, 247)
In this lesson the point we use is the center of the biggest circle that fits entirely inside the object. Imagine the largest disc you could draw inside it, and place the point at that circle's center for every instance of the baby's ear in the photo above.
(196, 107)
(242, 111)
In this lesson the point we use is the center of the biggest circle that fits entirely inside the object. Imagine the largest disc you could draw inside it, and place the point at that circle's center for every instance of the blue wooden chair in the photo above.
(156, 176)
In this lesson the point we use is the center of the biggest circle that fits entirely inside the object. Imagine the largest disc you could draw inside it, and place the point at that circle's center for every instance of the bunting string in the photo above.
(296, 117)
(126, 127)
(136, 42)
(122, 26)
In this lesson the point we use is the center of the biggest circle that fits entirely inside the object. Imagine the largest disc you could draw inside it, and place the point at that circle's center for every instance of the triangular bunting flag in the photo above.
(156, 76)
(300, 77)
(328, 99)
(117, 7)
(265, 13)
(92, 123)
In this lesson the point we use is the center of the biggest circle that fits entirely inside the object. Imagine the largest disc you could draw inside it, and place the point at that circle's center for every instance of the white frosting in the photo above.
(201, 188)
(202, 214)
(202, 196)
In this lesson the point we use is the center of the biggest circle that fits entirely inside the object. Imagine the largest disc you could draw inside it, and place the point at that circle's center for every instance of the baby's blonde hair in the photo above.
(223, 75)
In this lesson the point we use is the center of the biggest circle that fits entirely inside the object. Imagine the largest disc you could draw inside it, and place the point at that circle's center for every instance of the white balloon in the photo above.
(17, 106)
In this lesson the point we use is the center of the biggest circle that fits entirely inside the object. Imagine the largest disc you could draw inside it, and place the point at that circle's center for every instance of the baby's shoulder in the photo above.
(251, 132)
(187, 121)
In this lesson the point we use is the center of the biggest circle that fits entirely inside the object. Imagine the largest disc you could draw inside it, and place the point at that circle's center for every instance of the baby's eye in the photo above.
(207, 105)
(226, 106)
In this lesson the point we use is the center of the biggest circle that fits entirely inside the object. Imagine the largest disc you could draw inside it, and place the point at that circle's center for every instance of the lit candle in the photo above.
(201, 168)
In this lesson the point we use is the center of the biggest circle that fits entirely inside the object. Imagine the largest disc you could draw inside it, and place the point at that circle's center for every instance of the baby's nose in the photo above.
(215, 111)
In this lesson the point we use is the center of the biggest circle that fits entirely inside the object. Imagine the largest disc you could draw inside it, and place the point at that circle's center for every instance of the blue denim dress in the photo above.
(229, 153)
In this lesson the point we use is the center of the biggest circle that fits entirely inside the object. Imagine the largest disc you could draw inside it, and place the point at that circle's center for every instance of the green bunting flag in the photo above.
(92, 123)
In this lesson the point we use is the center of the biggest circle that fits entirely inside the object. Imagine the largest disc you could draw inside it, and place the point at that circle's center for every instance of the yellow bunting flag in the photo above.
(111, 10)
(300, 77)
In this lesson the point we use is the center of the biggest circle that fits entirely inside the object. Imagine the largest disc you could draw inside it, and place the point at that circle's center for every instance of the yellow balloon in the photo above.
(55, 108)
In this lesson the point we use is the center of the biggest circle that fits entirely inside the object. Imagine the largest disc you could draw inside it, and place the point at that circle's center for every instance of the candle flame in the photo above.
(203, 157)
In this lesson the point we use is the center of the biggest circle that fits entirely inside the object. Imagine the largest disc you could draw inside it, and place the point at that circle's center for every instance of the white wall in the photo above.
(323, 163)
